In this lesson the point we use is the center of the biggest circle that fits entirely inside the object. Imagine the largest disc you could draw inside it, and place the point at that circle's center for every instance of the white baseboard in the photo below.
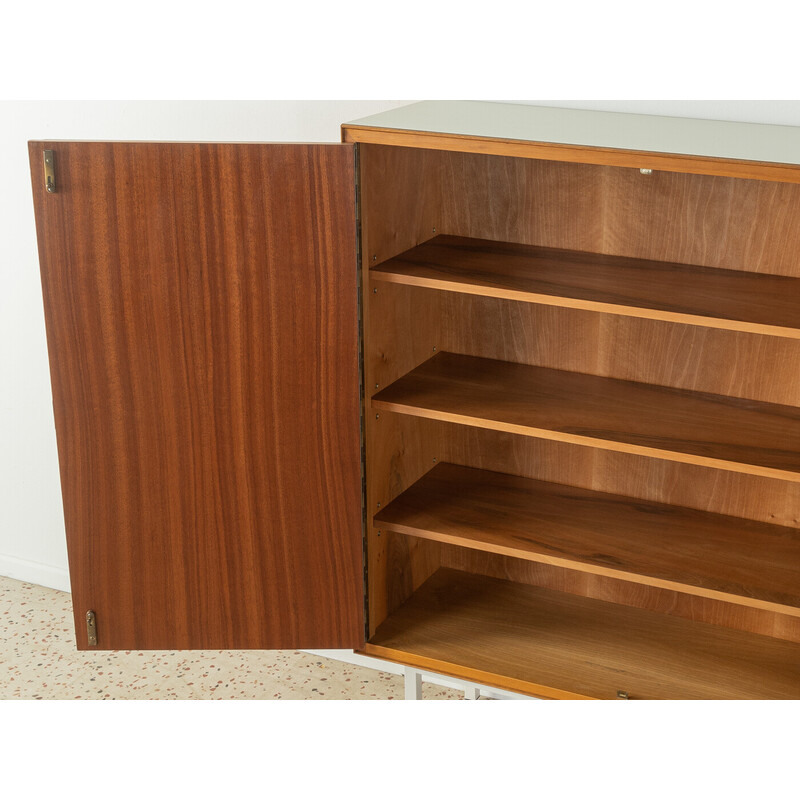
(33, 572)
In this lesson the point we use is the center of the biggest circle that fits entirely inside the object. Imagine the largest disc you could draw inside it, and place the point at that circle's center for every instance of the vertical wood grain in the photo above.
(200, 302)
(731, 223)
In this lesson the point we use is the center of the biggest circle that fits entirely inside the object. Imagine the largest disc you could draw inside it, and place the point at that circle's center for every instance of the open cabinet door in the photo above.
(201, 310)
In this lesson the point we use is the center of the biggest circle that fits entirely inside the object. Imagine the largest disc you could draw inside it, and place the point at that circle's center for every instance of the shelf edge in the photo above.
(559, 301)
(587, 441)
(591, 569)
(467, 673)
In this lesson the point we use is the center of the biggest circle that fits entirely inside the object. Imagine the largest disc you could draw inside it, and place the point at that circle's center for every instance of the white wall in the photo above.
(31, 524)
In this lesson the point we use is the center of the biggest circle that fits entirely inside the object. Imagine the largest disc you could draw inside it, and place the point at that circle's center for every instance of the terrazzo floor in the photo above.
(38, 660)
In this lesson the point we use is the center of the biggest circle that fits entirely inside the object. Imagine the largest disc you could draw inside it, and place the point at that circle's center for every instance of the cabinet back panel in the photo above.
(733, 493)
(696, 219)
(648, 351)
(732, 223)
(411, 321)
(698, 609)
(693, 219)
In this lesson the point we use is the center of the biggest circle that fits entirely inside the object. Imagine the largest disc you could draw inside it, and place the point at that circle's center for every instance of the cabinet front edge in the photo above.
(578, 154)
(460, 672)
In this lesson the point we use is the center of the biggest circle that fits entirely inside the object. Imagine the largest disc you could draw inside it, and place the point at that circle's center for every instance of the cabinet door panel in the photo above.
(200, 302)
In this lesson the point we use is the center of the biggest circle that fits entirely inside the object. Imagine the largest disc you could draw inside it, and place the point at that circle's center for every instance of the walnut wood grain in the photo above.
(710, 221)
(627, 593)
(200, 302)
(707, 555)
(401, 200)
(399, 208)
(690, 427)
(645, 351)
(398, 450)
(552, 644)
(707, 221)
(727, 299)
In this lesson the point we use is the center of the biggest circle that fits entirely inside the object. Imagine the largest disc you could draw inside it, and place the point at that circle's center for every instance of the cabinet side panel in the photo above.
(400, 208)
(200, 303)
(401, 199)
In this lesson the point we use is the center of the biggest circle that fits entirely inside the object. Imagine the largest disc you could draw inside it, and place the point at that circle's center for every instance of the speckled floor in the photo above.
(38, 660)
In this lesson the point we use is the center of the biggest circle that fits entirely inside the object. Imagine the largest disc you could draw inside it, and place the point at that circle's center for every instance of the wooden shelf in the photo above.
(551, 644)
(675, 424)
(716, 298)
(696, 552)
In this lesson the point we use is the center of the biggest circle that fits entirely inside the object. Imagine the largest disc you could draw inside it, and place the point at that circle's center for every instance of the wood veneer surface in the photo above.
(670, 217)
(200, 302)
(399, 209)
(692, 427)
(655, 544)
(728, 299)
(708, 221)
(553, 644)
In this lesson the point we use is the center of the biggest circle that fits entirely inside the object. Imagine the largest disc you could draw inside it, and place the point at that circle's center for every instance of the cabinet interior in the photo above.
(662, 498)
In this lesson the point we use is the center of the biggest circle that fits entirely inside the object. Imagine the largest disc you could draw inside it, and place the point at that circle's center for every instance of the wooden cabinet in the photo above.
(561, 422)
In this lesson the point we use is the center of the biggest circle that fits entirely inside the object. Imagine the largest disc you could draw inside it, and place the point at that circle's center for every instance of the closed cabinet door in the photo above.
(201, 311)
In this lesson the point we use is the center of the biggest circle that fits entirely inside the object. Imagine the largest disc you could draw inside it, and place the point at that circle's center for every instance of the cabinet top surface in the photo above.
(774, 144)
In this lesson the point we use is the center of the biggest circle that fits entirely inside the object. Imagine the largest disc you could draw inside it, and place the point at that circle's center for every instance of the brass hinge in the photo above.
(622, 695)
(91, 629)
(49, 171)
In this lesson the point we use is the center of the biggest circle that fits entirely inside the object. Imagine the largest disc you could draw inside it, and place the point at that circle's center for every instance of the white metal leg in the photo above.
(413, 684)
(413, 681)
(472, 692)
